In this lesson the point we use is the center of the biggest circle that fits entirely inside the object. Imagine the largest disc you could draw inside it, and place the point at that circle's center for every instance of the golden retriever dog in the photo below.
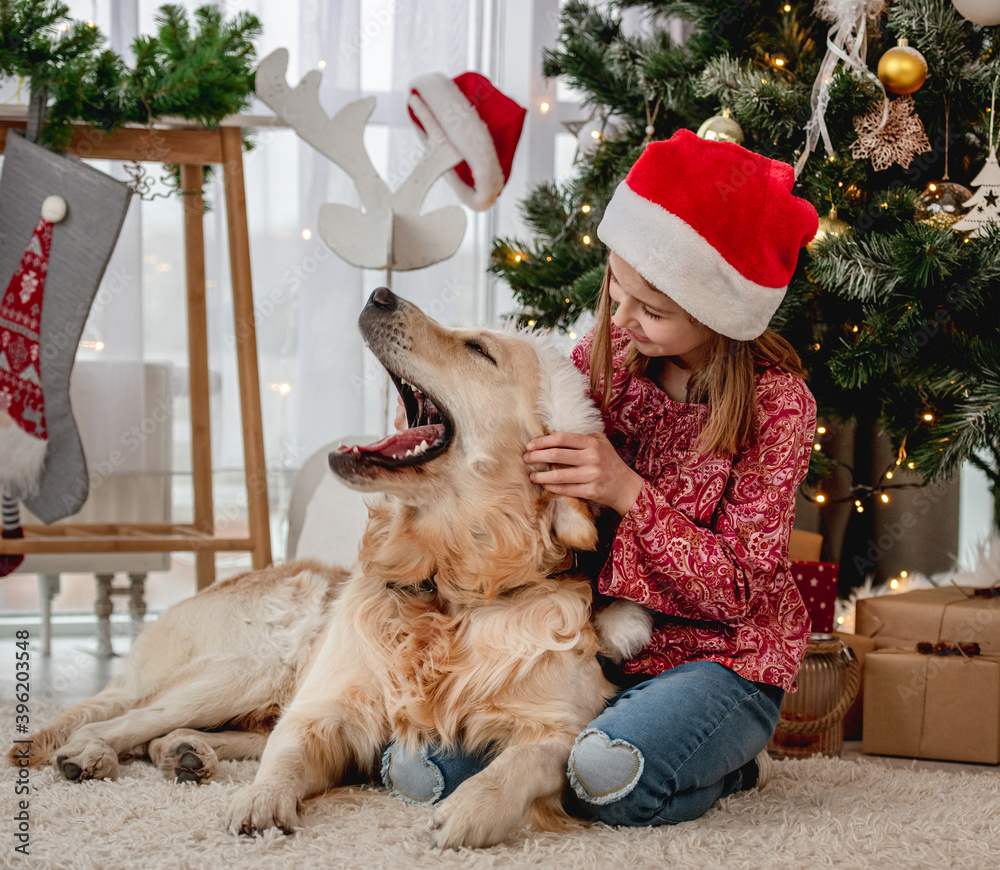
(205, 682)
(462, 623)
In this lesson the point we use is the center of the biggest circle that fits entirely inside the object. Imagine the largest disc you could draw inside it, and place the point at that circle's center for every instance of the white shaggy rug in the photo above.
(813, 813)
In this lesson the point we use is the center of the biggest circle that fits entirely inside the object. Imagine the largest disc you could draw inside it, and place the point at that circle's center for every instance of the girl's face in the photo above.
(657, 324)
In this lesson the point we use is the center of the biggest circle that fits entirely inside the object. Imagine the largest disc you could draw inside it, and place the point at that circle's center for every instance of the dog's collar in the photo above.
(425, 587)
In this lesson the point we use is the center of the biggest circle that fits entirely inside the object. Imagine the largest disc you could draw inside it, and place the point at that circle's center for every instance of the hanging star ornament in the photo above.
(899, 141)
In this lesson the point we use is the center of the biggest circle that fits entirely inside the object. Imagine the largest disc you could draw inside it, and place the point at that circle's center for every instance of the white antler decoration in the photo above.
(388, 232)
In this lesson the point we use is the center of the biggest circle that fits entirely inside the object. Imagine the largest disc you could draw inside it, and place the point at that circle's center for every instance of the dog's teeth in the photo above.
(408, 453)
(356, 451)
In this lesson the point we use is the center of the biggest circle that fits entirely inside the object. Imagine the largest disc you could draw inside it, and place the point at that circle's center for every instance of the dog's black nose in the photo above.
(383, 298)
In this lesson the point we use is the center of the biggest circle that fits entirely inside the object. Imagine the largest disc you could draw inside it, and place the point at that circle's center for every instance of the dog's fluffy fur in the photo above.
(460, 625)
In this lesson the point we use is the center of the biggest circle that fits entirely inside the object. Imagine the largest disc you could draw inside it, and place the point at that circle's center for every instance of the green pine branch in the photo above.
(38, 40)
(201, 69)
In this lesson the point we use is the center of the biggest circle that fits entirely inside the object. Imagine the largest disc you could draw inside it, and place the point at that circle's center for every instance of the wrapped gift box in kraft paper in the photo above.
(950, 613)
(928, 706)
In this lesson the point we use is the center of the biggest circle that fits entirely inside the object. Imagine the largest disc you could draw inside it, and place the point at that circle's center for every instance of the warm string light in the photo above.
(860, 493)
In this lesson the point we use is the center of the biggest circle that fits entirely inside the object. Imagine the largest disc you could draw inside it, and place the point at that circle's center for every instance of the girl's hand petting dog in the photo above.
(590, 469)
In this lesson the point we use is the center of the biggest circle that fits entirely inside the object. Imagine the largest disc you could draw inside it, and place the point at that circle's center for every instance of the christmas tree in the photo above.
(893, 309)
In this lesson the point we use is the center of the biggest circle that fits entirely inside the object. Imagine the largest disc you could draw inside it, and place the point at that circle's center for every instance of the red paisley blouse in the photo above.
(705, 545)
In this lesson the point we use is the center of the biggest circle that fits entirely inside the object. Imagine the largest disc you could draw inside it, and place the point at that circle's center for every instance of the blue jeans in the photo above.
(663, 751)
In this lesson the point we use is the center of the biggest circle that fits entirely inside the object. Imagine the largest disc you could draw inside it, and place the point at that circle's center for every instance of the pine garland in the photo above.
(202, 72)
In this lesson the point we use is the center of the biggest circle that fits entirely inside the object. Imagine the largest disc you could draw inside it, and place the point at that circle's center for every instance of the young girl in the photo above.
(709, 428)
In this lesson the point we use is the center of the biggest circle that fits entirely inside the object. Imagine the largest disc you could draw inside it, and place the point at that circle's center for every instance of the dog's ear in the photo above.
(573, 523)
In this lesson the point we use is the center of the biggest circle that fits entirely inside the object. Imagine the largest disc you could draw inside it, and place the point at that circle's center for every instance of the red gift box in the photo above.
(817, 582)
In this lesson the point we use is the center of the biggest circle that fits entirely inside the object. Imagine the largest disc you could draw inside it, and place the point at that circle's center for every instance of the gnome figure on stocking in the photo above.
(23, 439)
(55, 247)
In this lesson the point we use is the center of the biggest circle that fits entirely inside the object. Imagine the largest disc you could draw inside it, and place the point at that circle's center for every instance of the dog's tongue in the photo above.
(397, 445)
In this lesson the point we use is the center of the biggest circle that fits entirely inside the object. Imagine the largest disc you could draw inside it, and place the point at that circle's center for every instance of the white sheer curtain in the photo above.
(317, 381)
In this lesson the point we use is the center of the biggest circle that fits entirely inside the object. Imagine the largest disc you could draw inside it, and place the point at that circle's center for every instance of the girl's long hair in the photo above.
(725, 380)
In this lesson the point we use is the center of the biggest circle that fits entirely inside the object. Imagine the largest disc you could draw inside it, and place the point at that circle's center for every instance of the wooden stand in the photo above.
(192, 149)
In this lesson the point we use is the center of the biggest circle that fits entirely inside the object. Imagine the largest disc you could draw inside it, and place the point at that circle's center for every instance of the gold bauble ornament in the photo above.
(942, 203)
(902, 69)
(721, 128)
(830, 225)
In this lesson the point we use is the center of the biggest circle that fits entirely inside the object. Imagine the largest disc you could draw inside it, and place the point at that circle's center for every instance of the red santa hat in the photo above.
(713, 226)
(482, 123)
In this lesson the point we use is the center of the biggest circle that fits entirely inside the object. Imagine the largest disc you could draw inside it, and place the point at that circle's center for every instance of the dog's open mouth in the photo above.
(429, 434)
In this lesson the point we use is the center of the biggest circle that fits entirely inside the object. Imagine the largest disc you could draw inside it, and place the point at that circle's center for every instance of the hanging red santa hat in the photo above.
(23, 435)
(713, 226)
(481, 123)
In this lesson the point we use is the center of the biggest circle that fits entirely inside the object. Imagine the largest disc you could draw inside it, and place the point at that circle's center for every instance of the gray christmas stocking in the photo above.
(59, 221)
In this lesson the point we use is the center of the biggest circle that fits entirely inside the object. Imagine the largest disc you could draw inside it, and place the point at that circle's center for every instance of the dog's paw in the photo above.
(474, 817)
(185, 756)
(259, 807)
(623, 628)
(90, 759)
(37, 751)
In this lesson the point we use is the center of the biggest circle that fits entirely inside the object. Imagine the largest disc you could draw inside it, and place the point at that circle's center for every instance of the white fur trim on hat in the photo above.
(455, 119)
(677, 261)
